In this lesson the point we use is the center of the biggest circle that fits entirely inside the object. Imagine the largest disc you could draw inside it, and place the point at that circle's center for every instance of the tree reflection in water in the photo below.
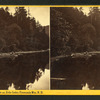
(22, 70)
(77, 72)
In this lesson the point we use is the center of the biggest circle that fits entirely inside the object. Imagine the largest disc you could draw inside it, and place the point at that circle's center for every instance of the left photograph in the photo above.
(24, 48)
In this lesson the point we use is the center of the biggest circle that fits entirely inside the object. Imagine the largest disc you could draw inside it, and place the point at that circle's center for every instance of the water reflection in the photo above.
(42, 84)
(86, 87)
(76, 72)
(22, 70)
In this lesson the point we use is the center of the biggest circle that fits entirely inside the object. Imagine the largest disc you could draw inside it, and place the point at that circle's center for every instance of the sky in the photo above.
(41, 14)
(85, 10)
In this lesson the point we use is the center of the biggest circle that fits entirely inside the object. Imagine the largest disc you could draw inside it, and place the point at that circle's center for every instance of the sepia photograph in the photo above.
(75, 48)
(24, 48)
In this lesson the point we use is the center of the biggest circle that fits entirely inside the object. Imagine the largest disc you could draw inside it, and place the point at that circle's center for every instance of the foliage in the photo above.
(73, 31)
(19, 32)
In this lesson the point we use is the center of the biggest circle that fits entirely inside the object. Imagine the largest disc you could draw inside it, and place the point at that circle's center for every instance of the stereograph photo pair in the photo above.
(49, 48)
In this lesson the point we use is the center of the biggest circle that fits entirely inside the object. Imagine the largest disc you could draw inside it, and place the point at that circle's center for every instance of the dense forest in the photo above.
(21, 32)
(74, 31)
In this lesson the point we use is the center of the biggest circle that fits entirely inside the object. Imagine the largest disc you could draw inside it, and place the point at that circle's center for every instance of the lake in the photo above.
(24, 69)
(76, 72)
(42, 84)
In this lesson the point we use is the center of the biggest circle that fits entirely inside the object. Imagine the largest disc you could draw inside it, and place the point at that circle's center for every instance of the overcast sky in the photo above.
(41, 14)
(85, 10)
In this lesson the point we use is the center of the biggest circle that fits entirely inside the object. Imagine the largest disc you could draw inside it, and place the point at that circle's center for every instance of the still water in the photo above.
(24, 69)
(76, 73)
(42, 84)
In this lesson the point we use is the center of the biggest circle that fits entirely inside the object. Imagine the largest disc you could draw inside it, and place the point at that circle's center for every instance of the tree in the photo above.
(88, 36)
(94, 16)
(6, 9)
(20, 13)
(61, 30)
(21, 18)
(13, 36)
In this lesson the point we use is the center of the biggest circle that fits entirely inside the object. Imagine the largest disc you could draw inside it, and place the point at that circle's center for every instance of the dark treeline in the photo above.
(21, 32)
(74, 31)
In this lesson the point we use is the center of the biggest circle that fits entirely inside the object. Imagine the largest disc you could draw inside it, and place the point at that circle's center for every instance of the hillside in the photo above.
(73, 31)
(21, 32)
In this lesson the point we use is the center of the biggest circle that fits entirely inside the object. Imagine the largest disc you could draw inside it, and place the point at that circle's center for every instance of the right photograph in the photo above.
(75, 48)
